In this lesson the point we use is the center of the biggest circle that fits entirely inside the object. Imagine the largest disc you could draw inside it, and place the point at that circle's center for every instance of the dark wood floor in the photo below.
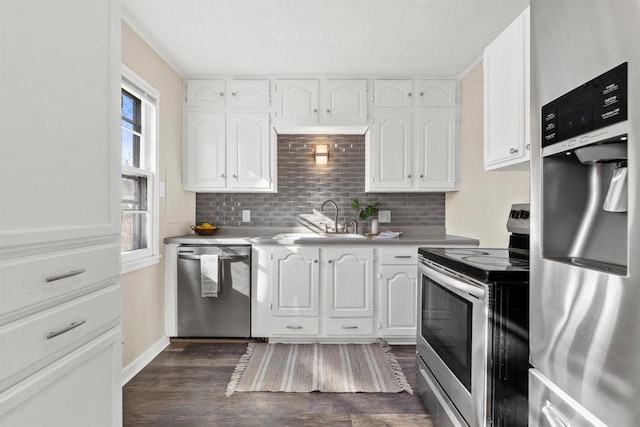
(185, 386)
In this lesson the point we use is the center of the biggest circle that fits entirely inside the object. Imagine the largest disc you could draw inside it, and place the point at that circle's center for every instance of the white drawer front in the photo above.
(39, 339)
(353, 326)
(399, 255)
(26, 282)
(294, 326)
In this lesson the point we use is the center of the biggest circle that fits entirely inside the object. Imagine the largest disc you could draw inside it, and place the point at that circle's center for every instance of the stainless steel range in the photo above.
(472, 341)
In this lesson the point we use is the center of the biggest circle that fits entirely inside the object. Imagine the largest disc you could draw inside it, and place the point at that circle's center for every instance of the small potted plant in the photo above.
(369, 211)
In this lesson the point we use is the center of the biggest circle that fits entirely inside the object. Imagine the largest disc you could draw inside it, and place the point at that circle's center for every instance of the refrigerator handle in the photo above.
(553, 416)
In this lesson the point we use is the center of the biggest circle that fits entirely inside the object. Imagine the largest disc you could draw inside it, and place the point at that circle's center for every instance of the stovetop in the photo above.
(487, 265)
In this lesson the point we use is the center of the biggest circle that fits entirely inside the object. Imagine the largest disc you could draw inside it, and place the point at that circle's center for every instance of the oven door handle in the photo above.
(456, 284)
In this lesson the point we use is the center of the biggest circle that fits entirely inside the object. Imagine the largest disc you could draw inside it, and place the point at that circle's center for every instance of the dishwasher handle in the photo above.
(222, 256)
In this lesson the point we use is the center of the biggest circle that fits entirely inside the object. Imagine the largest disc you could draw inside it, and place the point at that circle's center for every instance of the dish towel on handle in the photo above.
(209, 275)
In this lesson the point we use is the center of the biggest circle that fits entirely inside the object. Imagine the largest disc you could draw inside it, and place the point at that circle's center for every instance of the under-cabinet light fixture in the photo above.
(322, 154)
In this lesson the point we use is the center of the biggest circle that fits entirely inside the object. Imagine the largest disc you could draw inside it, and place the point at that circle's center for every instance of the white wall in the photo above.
(480, 208)
(143, 290)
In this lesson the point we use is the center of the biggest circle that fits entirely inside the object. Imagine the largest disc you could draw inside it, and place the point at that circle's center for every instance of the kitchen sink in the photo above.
(304, 236)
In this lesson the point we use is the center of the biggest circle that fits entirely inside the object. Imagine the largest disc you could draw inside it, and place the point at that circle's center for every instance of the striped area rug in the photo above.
(332, 368)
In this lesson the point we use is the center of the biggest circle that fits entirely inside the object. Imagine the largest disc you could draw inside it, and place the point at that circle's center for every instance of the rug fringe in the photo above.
(395, 367)
(241, 367)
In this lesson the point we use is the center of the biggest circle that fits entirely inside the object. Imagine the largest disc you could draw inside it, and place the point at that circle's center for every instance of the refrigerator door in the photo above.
(551, 407)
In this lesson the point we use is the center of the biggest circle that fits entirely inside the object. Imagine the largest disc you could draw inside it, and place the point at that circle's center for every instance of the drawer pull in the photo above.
(294, 327)
(64, 275)
(66, 329)
(349, 327)
(404, 256)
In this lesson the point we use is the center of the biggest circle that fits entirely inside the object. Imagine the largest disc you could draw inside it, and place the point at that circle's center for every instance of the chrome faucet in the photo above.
(335, 223)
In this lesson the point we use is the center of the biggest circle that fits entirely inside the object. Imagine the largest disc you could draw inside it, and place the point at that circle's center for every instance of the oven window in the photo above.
(446, 326)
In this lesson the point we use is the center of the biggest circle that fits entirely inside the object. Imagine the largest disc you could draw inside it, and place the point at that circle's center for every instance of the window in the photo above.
(139, 227)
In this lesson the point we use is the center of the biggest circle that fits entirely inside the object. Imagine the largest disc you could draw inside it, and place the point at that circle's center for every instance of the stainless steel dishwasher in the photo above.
(228, 314)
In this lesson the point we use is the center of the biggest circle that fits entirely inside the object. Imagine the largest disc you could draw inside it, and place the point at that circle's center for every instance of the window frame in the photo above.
(149, 147)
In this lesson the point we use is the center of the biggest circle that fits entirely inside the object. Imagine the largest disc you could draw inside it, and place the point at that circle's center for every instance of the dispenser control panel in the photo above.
(584, 115)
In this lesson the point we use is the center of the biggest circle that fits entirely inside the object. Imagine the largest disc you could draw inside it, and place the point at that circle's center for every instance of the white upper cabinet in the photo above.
(321, 102)
(436, 149)
(391, 151)
(205, 150)
(248, 94)
(248, 151)
(228, 146)
(392, 93)
(343, 102)
(506, 97)
(297, 101)
(436, 93)
(206, 93)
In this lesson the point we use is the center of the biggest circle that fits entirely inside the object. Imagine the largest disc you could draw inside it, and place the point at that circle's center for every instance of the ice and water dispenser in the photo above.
(584, 175)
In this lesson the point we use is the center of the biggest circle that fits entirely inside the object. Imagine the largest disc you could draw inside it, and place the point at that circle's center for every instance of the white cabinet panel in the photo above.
(436, 149)
(398, 295)
(348, 281)
(82, 389)
(392, 93)
(205, 150)
(30, 341)
(206, 93)
(249, 94)
(294, 281)
(343, 102)
(391, 151)
(506, 97)
(436, 93)
(248, 150)
(297, 101)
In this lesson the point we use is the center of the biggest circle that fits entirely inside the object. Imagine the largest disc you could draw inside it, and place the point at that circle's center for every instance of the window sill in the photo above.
(138, 264)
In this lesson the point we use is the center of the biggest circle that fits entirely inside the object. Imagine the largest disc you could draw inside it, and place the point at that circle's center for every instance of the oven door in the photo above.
(452, 337)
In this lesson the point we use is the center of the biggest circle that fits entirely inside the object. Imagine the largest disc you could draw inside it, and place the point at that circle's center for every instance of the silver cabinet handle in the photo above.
(221, 93)
(409, 176)
(513, 151)
(421, 175)
(294, 327)
(421, 93)
(349, 327)
(315, 261)
(235, 176)
(64, 275)
(409, 94)
(330, 261)
(528, 147)
(404, 256)
(328, 111)
(233, 94)
(315, 110)
(66, 329)
(221, 175)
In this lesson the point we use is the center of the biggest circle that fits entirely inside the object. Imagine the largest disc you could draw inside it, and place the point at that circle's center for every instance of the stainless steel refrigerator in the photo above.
(585, 228)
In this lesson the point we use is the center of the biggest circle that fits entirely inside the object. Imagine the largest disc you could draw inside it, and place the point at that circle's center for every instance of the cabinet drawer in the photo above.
(399, 255)
(294, 326)
(31, 281)
(35, 341)
(353, 326)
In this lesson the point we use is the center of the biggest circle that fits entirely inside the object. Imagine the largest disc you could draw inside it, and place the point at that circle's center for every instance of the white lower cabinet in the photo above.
(304, 292)
(81, 389)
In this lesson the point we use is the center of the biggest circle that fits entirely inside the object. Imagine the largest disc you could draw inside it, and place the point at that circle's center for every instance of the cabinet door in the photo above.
(206, 93)
(398, 300)
(436, 149)
(81, 389)
(206, 164)
(436, 93)
(392, 93)
(348, 280)
(294, 281)
(249, 151)
(506, 96)
(297, 101)
(344, 102)
(60, 121)
(249, 93)
(390, 160)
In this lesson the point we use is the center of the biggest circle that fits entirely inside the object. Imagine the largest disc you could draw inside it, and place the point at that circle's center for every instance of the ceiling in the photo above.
(299, 38)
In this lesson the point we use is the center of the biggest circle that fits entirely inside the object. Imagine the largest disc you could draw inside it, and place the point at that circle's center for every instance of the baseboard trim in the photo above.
(132, 369)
